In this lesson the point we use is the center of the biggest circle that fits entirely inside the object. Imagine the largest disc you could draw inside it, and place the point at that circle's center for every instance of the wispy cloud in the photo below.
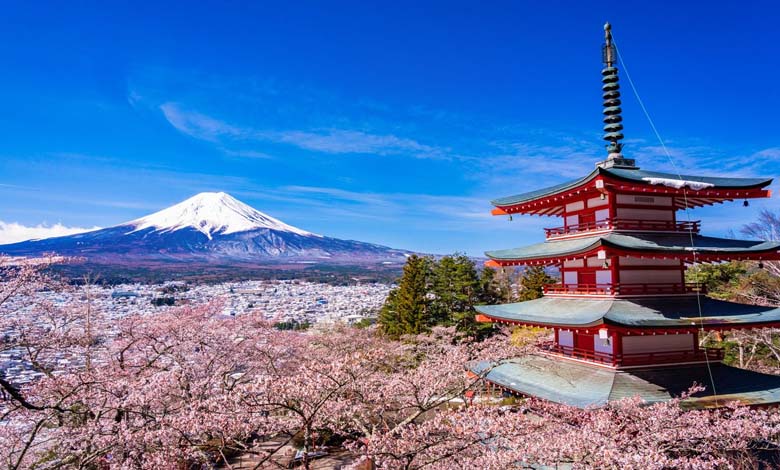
(331, 140)
(199, 125)
(12, 232)
(350, 141)
(247, 154)
(436, 211)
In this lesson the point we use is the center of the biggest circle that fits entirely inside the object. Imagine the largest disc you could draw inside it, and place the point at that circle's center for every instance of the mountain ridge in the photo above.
(211, 227)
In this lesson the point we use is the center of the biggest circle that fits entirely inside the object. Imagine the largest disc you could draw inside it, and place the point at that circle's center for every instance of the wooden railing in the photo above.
(588, 355)
(623, 289)
(636, 359)
(625, 224)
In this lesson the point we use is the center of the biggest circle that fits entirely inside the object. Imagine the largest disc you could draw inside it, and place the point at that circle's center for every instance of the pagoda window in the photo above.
(570, 278)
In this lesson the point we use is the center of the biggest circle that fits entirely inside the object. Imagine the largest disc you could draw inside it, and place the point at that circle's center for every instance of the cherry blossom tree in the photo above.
(188, 386)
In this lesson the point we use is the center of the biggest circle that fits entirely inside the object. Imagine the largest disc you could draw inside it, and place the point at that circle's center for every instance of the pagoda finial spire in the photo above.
(613, 127)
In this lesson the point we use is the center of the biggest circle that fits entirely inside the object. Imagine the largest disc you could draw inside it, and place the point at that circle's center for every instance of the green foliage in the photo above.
(364, 323)
(407, 308)
(454, 289)
(441, 292)
(721, 280)
(533, 281)
(494, 287)
(527, 335)
(292, 325)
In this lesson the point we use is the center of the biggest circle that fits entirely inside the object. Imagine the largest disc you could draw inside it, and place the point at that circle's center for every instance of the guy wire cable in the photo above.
(685, 200)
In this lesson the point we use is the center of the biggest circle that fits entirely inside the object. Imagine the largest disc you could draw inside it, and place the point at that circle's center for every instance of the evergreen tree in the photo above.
(494, 287)
(533, 281)
(455, 292)
(406, 310)
(389, 320)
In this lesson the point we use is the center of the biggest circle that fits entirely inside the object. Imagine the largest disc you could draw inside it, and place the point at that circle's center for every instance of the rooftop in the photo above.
(583, 385)
(643, 177)
(652, 312)
(650, 243)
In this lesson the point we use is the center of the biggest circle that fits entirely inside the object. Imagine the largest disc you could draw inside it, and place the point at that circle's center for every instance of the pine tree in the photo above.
(494, 287)
(406, 310)
(533, 281)
(455, 291)
(389, 320)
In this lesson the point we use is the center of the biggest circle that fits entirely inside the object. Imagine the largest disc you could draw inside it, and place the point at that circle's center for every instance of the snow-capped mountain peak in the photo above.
(211, 213)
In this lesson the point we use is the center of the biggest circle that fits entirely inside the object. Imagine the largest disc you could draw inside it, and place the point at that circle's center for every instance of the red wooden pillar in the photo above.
(612, 205)
(617, 348)
(615, 266)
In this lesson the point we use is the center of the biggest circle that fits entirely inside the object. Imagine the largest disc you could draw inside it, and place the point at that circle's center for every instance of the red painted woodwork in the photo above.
(587, 218)
(583, 341)
(634, 359)
(639, 331)
(638, 215)
(688, 257)
(554, 204)
(585, 226)
(622, 289)
(587, 277)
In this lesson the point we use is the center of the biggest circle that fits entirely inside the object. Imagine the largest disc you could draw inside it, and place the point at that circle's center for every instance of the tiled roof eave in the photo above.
(633, 244)
(633, 177)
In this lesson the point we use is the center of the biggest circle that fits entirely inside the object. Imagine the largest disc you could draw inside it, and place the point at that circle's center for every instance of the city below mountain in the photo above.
(211, 228)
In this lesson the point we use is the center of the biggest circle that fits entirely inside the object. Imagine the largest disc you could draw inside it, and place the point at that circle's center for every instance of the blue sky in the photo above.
(392, 122)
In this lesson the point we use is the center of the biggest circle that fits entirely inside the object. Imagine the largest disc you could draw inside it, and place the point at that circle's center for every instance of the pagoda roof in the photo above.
(643, 177)
(651, 243)
(583, 385)
(674, 312)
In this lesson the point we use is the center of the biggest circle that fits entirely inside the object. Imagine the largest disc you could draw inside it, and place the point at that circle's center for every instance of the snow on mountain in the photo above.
(207, 228)
(211, 213)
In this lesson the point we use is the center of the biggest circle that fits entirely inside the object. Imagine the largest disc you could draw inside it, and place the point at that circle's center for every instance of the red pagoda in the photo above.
(625, 321)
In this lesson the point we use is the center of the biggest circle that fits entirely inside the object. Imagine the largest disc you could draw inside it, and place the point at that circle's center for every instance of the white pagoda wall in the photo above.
(650, 207)
(650, 201)
(657, 343)
(602, 345)
(634, 213)
(633, 261)
(603, 277)
(650, 276)
(566, 338)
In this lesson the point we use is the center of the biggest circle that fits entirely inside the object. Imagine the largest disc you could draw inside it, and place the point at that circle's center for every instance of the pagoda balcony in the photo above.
(624, 224)
(612, 290)
(635, 359)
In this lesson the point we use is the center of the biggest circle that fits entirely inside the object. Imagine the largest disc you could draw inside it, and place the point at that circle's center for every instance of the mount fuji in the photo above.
(207, 228)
